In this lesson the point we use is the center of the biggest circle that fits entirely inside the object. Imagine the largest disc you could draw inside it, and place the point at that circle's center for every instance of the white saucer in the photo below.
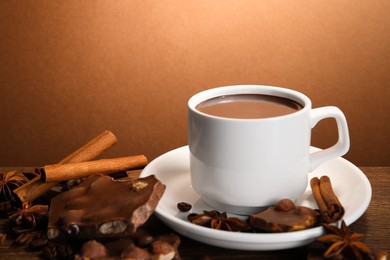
(172, 168)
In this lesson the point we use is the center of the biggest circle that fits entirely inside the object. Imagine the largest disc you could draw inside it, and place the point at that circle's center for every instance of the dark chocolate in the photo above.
(103, 207)
(285, 216)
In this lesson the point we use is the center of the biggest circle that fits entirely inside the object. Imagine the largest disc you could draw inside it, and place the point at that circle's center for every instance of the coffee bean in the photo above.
(184, 207)
(50, 251)
(38, 243)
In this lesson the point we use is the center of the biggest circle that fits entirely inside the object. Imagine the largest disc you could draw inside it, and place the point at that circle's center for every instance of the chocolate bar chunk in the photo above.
(285, 216)
(103, 207)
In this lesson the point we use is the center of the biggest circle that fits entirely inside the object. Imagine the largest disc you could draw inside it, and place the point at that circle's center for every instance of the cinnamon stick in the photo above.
(71, 171)
(89, 151)
(329, 205)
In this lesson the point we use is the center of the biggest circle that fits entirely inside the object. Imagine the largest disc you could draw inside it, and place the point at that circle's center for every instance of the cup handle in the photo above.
(342, 145)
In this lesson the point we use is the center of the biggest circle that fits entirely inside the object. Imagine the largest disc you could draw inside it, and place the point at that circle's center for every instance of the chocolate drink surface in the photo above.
(248, 106)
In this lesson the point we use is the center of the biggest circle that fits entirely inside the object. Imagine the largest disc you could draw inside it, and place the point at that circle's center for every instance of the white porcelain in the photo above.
(173, 169)
(241, 165)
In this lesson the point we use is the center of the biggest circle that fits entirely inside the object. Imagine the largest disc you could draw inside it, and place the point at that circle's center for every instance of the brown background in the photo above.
(71, 69)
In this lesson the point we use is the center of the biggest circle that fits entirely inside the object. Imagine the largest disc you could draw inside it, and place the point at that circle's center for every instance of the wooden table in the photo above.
(374, 224)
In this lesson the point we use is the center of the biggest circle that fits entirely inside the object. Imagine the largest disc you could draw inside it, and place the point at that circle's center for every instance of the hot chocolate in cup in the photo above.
(250, 145)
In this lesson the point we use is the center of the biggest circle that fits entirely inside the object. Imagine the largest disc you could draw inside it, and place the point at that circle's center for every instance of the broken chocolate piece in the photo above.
(103, 207)
(285, 216)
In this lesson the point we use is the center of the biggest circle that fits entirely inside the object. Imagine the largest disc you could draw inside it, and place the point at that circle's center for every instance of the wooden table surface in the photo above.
(374, 224)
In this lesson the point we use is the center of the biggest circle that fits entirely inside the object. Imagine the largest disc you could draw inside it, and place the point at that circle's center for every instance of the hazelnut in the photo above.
(284, 205)
(162, 250)
(171, 238)
(113, 227)
(139, 185)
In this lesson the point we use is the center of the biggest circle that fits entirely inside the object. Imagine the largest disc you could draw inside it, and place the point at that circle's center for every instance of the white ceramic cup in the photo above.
(243, 165)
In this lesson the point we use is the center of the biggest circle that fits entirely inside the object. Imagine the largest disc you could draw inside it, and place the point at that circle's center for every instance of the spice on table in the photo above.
(34, 188)
(344, 244)
(8, 182)
(29, 216)
(71, 171)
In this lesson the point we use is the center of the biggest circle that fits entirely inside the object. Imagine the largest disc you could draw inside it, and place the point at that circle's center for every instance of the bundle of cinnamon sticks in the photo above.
(79, 164)
(329, 205)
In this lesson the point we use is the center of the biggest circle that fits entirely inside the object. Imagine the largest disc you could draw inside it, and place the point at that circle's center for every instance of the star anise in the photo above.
(344, 243)
(8, 182)
(217, 220)
(29, 216)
